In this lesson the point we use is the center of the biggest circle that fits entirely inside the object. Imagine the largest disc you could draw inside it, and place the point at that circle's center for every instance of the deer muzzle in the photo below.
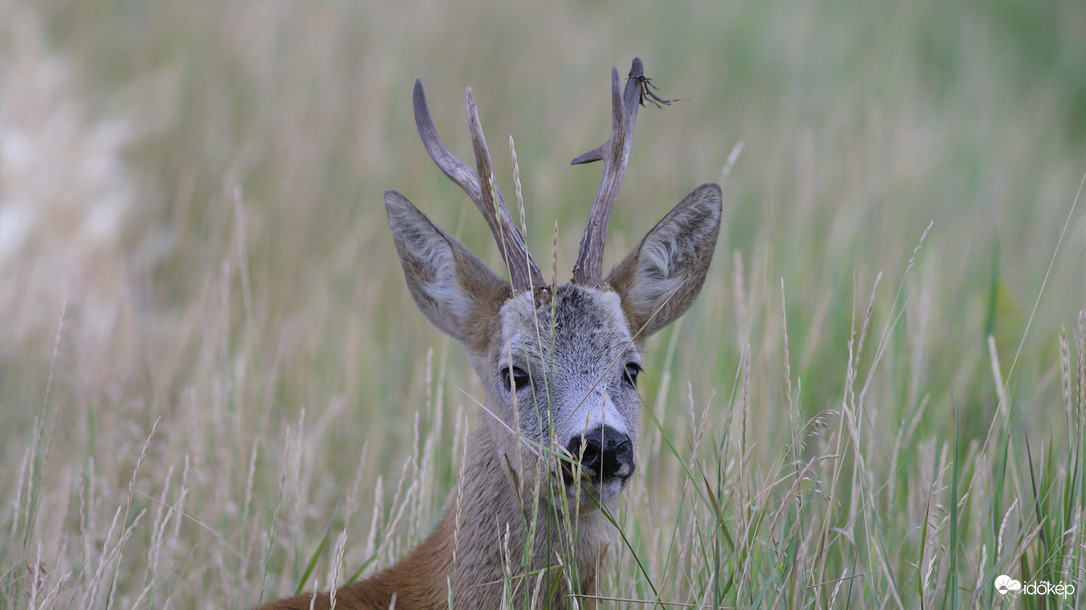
(604, 456)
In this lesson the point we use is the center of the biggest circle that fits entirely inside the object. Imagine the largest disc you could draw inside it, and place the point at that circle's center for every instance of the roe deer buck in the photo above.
(556, 439)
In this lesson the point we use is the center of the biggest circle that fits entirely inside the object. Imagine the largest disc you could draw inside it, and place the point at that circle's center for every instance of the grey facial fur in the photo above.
(575, 352)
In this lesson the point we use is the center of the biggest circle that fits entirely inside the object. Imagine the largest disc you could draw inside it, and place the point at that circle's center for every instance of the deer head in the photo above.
(559, 363)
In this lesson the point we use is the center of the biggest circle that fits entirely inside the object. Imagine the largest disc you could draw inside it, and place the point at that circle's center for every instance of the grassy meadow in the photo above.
(215, 388)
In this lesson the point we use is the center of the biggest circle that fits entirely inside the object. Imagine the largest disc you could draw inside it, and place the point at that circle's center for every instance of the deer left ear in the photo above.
(453, 288)
(660, 279)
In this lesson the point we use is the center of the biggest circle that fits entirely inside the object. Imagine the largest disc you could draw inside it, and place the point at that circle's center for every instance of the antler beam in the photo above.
(588, 270)
(523, 271)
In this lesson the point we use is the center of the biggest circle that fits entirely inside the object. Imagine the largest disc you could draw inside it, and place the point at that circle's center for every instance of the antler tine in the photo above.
(588, 270)
(454, 168)
(523, 271)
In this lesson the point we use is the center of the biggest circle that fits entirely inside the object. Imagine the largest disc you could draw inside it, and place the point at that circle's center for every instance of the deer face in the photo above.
(565, 388)
(559, 365)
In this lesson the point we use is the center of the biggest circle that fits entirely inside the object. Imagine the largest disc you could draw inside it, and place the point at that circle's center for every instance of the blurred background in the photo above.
(192, 238)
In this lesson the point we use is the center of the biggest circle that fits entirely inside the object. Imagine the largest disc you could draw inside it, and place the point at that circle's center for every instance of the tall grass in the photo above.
(214, 387)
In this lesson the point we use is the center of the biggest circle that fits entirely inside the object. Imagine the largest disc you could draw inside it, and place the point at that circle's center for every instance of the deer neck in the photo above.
(480, 543)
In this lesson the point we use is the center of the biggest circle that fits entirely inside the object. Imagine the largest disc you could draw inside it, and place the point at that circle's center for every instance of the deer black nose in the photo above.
(604, 454)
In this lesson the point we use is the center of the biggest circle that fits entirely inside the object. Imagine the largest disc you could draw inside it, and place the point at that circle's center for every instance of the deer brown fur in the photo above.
(554, 445)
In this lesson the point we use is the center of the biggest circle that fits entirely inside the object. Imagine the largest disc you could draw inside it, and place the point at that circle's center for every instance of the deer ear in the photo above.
(660, 279)
(455, 290)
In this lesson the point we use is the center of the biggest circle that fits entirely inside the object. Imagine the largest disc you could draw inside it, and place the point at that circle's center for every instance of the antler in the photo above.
(588, 270)
(523, 271)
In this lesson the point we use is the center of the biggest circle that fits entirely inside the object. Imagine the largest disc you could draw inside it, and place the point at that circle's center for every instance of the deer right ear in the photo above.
(660, 279)
(455, 290)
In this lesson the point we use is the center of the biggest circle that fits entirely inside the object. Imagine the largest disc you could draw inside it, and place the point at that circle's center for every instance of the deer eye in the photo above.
(632, 369)
(514, 377)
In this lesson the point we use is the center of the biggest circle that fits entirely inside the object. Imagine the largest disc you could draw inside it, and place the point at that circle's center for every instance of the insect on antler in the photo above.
(588, 270)
(523, 271)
